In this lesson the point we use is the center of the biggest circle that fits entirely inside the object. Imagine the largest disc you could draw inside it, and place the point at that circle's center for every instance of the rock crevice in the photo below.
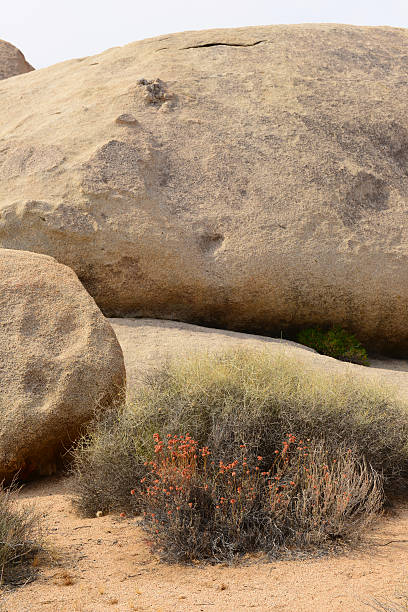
(224, 44)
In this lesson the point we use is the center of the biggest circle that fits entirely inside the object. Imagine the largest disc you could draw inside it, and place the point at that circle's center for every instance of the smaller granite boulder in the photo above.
(12, 61)
(59, 362)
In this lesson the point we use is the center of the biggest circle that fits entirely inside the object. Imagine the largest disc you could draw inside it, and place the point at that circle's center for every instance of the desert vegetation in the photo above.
(197, 508)
(243, 451)
(335, 342)
(20, 539)
(397, 604)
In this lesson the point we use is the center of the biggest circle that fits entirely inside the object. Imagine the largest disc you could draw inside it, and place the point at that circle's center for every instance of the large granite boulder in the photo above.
(253, 179)
(12, 61)
(60, 361)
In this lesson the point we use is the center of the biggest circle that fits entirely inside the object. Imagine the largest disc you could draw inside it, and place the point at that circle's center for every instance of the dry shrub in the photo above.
(386, 605)
(234, 398)
(20, 539)
(196, 507)
(106, 462)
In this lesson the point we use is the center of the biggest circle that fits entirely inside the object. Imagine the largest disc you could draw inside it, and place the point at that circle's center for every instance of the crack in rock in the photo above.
(222, 44)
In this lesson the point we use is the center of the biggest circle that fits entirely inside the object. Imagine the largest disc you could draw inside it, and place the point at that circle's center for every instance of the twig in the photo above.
(81, 527)
(386, 543)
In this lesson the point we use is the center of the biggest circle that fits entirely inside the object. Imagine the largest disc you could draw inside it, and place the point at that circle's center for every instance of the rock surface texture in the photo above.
(59, 362)
(12, 61)
(253, 179)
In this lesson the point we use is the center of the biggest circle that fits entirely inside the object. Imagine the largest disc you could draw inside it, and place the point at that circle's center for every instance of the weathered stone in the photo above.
(12, 61)
(126, 119)
(264, 189)
(60, 361)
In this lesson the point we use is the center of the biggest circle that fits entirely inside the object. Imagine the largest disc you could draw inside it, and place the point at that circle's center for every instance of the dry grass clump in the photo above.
(242, 399)
(386, 605)
(198, 508)
(256, 398)
(106, 462)
(64, 578)
(20, 539)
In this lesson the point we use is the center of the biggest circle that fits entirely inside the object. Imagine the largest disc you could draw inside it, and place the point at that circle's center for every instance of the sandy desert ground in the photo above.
(105, 564)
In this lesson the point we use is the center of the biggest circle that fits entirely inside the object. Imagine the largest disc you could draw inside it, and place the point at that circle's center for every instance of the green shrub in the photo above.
(196, 507)
(234, 398)
(20, 539)
(335, 342)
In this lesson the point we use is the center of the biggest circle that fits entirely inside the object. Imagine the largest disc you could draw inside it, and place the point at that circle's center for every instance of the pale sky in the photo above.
(50, 31)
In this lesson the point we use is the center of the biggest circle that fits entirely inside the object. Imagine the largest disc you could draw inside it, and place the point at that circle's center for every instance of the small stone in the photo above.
(127, 119)
(166, 107)
(154, 91)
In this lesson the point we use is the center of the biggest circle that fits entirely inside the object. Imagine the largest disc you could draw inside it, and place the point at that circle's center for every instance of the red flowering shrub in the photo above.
(196, 507)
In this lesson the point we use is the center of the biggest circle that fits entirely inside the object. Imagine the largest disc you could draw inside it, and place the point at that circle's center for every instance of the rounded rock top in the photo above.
(263, 189)
(12, 61)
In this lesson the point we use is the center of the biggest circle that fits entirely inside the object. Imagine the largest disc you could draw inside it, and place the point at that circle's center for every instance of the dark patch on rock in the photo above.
(393, 139)
(367, 194)
(114, 166)
(210, 241)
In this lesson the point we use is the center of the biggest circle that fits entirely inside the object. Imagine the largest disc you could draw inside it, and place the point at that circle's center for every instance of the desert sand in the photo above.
(105, 564)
